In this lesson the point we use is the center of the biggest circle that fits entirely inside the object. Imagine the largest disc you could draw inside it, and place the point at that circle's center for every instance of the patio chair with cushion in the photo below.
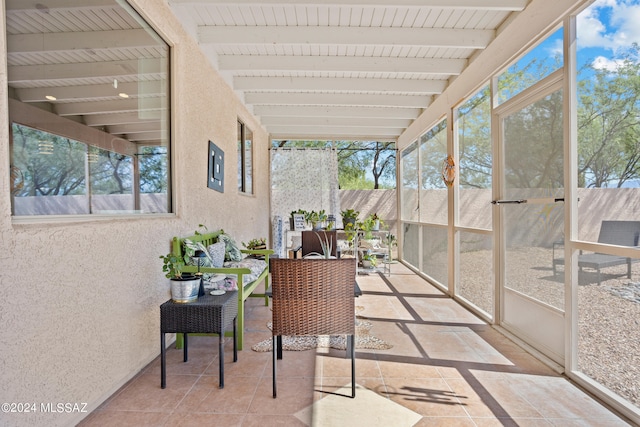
(619, 233)
(313, 297)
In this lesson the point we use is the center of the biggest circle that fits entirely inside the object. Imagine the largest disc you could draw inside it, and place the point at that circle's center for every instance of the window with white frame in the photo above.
(91, 135)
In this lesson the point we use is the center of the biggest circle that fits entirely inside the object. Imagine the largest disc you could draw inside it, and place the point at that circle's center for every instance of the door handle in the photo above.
(504, 202)
(536, 201)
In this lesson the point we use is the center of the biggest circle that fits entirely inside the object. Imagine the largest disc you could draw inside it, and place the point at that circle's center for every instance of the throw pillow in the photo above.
(217, 253)
(232, 250)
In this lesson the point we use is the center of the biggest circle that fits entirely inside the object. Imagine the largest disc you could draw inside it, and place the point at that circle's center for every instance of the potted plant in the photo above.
(368, 260)
(376, 222)
(184, 287)
(325, 244)
(322, 219)
(349, 216)
(257, 243)
(316, 219)
(370, 224)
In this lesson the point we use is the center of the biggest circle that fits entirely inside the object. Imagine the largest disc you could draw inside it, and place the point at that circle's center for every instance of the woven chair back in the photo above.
(313, 296)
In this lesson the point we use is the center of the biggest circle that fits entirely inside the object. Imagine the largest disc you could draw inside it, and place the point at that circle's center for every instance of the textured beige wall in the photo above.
(79, 300)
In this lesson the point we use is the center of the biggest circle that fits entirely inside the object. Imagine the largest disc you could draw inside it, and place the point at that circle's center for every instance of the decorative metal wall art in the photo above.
(215, 175)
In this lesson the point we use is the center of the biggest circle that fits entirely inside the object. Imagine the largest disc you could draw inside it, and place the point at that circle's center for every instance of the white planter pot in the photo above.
(185, 290)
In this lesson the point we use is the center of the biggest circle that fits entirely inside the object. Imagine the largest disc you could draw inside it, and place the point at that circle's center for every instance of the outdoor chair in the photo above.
(619, 233)
(312, 297)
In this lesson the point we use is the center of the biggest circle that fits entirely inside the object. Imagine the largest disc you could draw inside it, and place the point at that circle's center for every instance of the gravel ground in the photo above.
(608, 313)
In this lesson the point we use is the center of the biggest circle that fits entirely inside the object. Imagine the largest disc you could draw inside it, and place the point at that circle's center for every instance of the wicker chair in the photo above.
(313, 297)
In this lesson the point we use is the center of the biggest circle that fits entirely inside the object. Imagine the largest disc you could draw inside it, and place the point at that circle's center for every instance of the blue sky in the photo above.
(605, 27)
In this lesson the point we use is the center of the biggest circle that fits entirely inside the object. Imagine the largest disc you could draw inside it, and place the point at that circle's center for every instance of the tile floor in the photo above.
(446, 368)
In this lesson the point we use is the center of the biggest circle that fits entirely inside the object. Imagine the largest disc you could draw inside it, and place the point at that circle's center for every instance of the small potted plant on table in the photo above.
(184, 287)
(349, 216)
(257, 243)
(369, 260)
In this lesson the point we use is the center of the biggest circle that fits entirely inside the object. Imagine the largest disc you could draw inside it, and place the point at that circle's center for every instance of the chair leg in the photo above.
(274, 357)
(353, 365)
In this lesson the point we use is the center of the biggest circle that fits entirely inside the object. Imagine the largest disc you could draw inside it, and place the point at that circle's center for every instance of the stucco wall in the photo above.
(79, 300)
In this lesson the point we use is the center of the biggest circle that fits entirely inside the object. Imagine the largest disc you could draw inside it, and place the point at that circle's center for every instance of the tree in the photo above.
(609, 123)
(51, 165)
(153, 169)
(474, 136)
(355, 159)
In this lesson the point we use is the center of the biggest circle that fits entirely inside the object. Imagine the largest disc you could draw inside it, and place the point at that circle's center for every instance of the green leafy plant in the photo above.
(367, 256)
(326, 245)
(350, 213)
(202, 229)
(173, 265)
(350, 230)
(391, 240)
(349, 217)
(259, 242)
(369, 224)
(314, 218)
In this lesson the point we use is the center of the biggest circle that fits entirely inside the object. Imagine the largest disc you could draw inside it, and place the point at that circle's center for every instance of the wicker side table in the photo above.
(208, 314)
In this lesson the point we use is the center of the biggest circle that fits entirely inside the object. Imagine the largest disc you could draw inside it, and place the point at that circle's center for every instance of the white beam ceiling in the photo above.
(328, 69)
(499, 5)
(438, 67)
(321, 69)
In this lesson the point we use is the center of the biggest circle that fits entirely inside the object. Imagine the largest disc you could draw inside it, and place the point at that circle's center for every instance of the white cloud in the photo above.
(556, 48)
(626, 18)
(602, 63)
(590, 29)
(623, 26)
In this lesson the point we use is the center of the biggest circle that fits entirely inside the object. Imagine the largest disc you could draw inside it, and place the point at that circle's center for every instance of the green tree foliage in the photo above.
(433, 151)
(153, 169)
(534, 139)
(355, 159)
(474, 136)
(609, 123)
(110, 173)
(51, 165)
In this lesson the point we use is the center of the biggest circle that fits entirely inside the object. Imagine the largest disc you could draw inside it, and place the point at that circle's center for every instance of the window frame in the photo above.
(245, 163)
(99, 139)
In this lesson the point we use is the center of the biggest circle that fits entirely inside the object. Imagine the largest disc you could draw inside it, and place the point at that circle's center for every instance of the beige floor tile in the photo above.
(426, 396)
(126, 418)
(445, 368)
(445, 422)
(205, 419)
(145, 394)
(293, 394)
(206, 397)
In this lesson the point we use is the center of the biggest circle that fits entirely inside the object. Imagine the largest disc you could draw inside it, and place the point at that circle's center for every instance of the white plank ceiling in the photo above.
(323, 69)
(354, 69)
